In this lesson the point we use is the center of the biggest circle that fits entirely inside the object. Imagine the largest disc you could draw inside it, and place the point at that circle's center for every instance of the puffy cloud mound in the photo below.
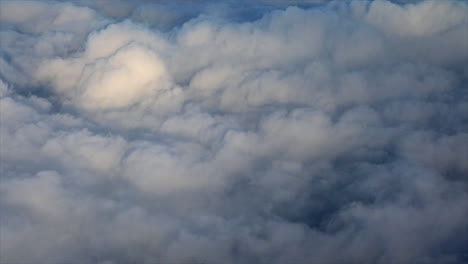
(234, 131)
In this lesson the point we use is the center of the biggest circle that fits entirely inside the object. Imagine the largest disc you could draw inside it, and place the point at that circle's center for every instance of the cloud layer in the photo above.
(234, 132)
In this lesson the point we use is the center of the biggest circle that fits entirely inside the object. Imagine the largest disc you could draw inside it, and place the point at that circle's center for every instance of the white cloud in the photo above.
(259, 132)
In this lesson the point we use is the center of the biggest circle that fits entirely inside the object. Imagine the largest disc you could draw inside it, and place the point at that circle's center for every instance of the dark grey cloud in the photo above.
(234, 131)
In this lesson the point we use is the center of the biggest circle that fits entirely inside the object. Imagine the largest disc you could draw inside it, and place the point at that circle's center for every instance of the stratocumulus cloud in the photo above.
(234, 132)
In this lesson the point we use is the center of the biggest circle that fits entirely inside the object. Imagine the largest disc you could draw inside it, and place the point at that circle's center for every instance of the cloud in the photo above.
(235, 131)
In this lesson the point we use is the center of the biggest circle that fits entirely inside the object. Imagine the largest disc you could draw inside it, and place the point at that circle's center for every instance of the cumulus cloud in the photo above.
(234, 131)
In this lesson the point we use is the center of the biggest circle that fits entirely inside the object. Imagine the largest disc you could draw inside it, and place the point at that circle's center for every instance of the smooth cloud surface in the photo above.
(234, 132)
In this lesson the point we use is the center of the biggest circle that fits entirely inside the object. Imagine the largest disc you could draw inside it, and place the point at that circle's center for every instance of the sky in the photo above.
(264, 132)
